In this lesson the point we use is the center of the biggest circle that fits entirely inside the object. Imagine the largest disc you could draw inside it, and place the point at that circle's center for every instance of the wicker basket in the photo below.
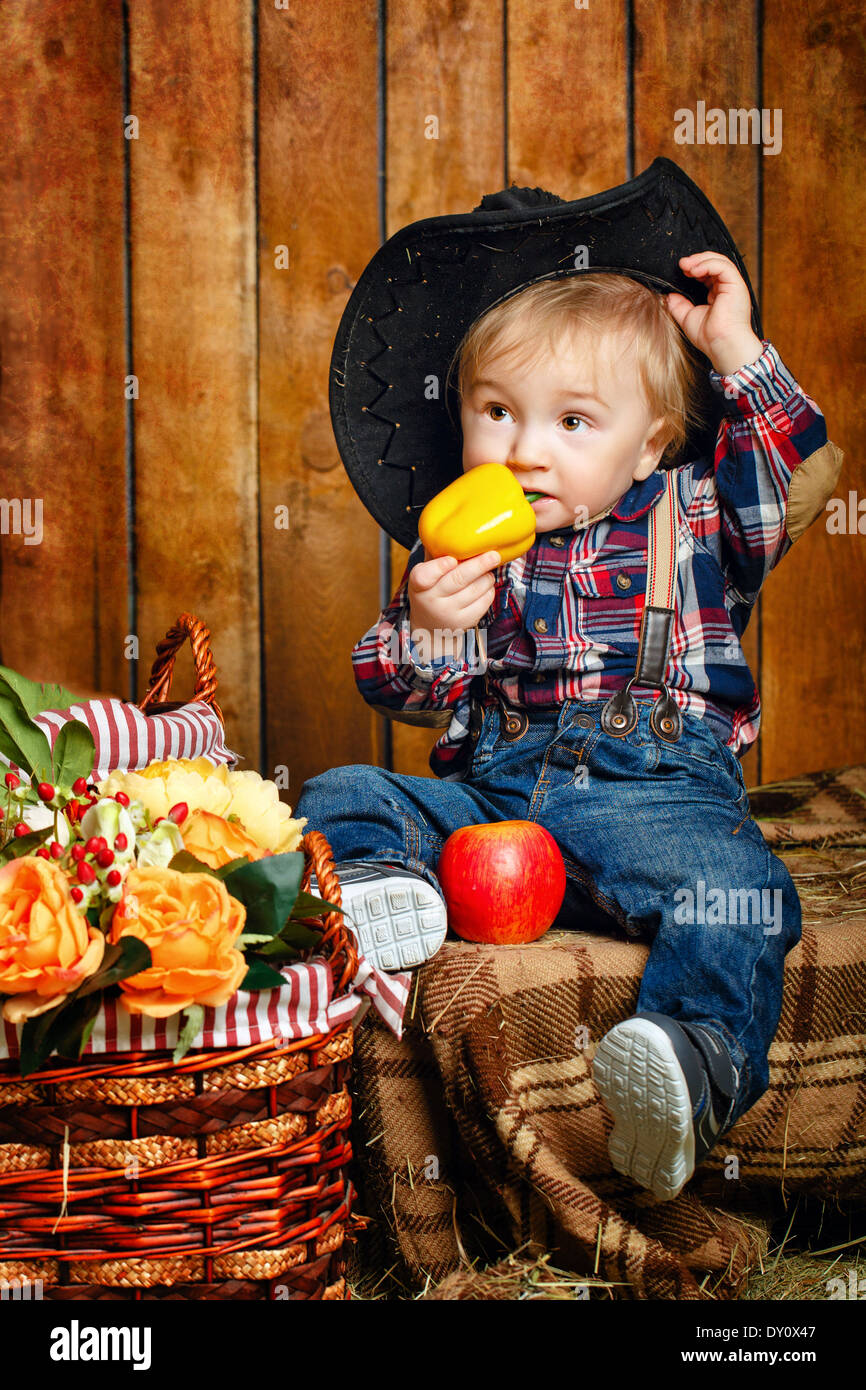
(226, 1175)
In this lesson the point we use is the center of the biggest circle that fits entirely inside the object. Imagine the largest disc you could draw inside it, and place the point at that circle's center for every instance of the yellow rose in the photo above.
(190, 923)
(47, 945)
(216, 841)
(206, 787)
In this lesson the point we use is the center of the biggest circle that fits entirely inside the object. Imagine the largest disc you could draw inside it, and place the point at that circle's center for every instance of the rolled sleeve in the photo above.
(759, 386)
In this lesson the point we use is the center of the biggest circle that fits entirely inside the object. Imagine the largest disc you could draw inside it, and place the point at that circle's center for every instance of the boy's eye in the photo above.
(496, 412)
(571, 422)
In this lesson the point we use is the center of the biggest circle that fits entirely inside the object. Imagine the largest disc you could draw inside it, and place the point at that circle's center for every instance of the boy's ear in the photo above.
(657, 440)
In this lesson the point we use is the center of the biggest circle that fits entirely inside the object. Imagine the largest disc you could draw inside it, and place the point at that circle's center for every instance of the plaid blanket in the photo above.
(484, 1124)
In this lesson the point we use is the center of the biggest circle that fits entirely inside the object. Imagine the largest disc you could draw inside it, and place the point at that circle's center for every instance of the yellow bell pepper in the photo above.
(484, 509)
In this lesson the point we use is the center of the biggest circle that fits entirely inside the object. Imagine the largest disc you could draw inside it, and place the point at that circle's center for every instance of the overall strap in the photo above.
(620, 713)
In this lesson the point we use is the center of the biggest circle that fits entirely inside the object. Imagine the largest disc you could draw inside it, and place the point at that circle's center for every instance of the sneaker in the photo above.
(671, 1089)
(397, 917)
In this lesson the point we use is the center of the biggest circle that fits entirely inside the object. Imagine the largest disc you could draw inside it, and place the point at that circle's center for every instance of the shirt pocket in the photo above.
(609, 601)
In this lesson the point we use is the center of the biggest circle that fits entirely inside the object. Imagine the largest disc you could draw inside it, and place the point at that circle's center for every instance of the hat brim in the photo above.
(412, 306)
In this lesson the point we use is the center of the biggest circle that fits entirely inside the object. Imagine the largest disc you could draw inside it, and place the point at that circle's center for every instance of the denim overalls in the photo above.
(650, 810)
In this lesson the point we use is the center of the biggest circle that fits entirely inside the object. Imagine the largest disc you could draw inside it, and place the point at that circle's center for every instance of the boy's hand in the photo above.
(722, 328)
(447, 596)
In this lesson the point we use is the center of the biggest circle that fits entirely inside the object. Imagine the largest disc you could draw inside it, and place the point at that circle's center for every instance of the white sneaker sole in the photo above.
(399, 923)
(642, 1084)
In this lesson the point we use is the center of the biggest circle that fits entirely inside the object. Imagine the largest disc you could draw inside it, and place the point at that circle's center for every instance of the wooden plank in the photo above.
(685, 54)
(194, 322)
(567, 105)
(814, 617)
(318, 196)
(63, 601)
(443, 64)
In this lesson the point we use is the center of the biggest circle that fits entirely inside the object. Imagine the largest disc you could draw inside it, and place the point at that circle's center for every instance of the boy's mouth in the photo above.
(537, 496)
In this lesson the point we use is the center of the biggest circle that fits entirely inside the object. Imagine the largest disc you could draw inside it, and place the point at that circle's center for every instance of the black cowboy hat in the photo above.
(394, 412)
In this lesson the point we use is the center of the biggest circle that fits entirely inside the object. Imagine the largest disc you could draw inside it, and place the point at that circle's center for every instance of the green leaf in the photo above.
(17, 847)
(268, 889)
(20, 739)
(126, 957)
(36, 1038)
(296, 934)
(261, 976)
(306, 905)
(105, 919)
(251, 939)
(35, 697)
(230, 867)
(88, 1029)
(194, 1015)
(186, 863)
(278, 952)
(68, 1037)
(74, 753)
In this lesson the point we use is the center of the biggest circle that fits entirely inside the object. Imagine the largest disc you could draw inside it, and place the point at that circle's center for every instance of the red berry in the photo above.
(93, 846)
(56, 849)
(179, 812)
(120, 842)
(113, 878)
(105, 858)
(122, 798)
(79, 786)
(45, 790)
(76, 894)
(12, 781)
(22, 828)
(85, 872)
(78, 852)
(158, 821)
(42, 852)
(2, 813)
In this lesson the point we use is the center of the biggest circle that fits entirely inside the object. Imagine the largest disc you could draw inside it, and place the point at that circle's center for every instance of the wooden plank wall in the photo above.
(266, 125)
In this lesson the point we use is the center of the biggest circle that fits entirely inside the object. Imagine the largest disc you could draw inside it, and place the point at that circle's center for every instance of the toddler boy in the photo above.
(586, 388)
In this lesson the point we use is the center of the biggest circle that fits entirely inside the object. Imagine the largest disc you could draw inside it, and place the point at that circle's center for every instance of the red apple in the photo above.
(503, 881)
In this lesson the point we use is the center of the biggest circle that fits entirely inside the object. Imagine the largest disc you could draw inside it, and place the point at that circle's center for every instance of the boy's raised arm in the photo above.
(774, 467)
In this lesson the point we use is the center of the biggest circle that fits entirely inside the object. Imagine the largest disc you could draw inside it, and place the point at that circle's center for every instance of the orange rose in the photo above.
(216, 841)
(190, 923)
(47, 945)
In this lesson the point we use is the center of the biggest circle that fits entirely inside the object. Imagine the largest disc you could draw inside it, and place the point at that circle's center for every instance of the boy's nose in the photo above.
(527, 463)
(526, 451)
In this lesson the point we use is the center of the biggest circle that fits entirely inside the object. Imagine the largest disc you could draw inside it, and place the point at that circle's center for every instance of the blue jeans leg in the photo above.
(661, 834)
(366, 812)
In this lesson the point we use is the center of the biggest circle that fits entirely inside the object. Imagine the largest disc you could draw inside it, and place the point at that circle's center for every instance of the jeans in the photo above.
(656, 836)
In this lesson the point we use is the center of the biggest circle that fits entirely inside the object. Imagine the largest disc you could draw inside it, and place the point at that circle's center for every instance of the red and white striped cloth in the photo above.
(303, 1007)
(126, 739)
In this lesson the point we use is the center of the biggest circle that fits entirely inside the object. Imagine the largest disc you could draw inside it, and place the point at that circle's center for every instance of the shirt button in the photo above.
(558, 541)
(623, 581)
(540, 624)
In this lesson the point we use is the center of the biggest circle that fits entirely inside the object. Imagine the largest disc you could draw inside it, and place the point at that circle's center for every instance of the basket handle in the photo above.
(343, 954)
(159, 685)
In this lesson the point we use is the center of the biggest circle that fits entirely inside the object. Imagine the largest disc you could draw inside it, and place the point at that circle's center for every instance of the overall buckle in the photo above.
(514, 723)
(619, 715)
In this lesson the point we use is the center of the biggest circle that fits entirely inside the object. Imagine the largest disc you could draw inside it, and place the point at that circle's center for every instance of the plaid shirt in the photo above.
(565, 619)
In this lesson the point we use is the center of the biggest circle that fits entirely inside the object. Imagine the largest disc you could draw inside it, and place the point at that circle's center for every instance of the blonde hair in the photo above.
(672, 378)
